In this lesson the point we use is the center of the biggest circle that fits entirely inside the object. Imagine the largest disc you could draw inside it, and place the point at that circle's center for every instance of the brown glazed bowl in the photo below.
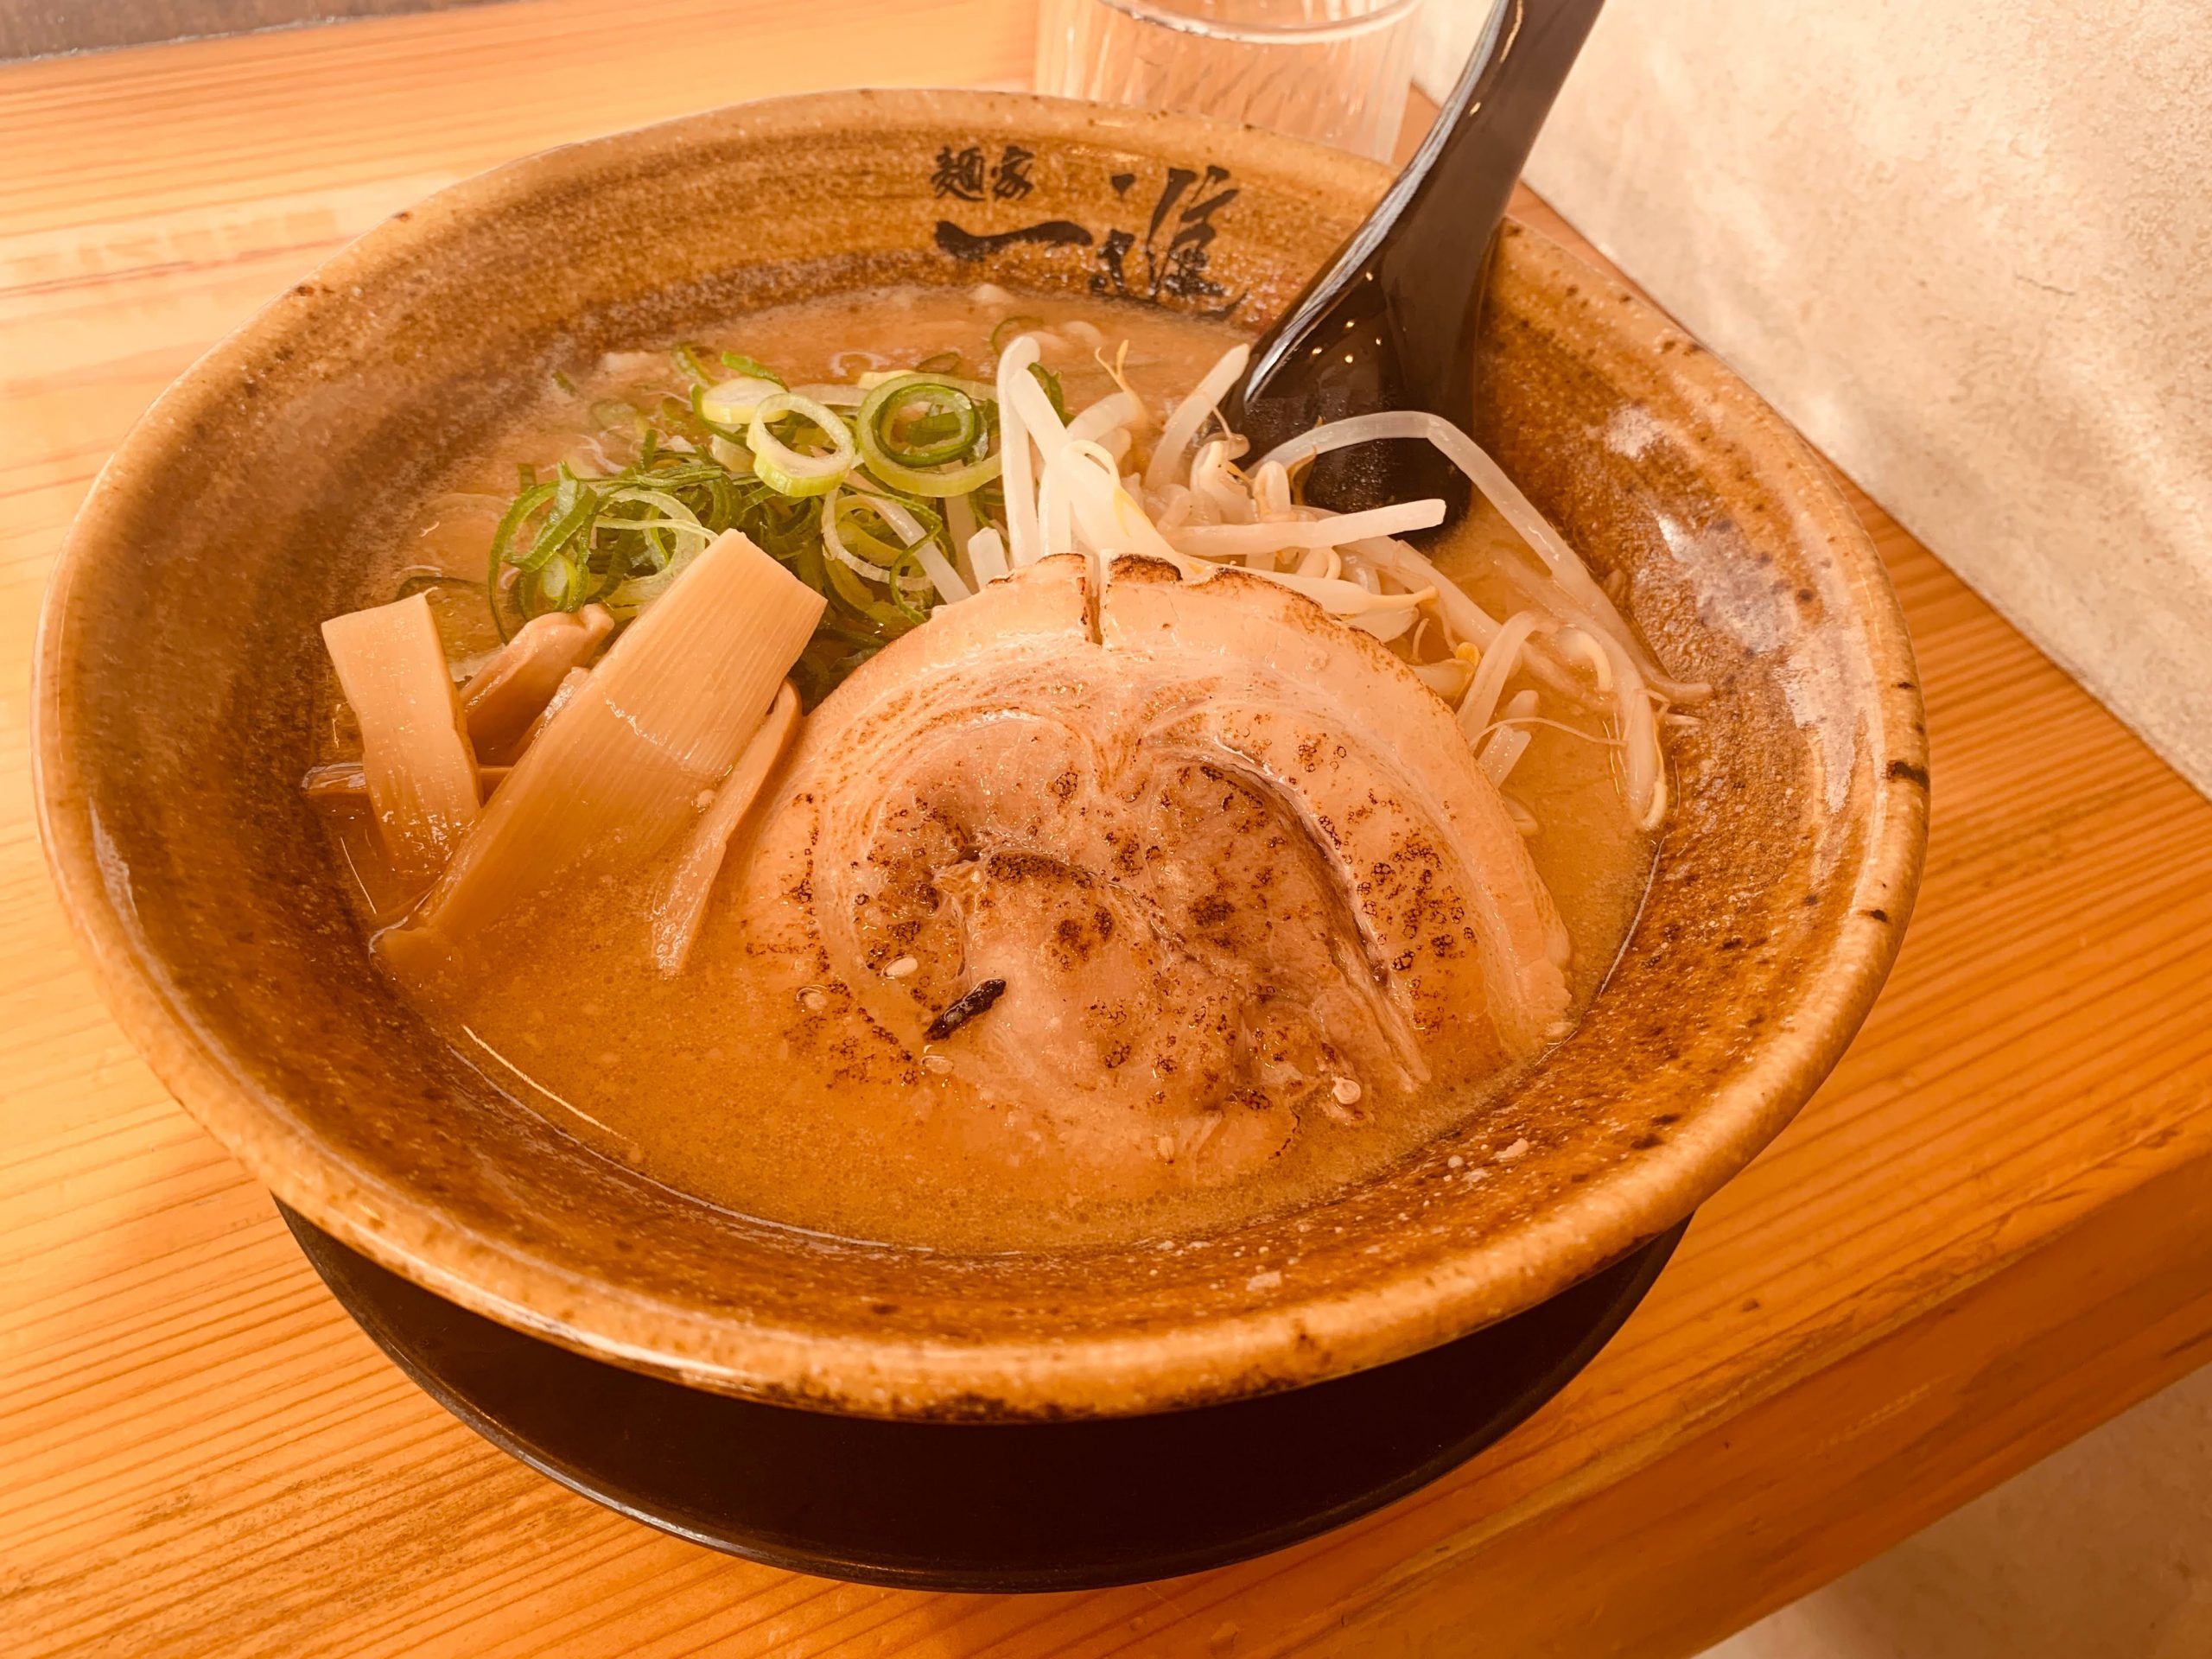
(180, 657)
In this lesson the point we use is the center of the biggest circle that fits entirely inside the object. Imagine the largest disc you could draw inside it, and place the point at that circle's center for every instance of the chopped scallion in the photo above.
(754, 368)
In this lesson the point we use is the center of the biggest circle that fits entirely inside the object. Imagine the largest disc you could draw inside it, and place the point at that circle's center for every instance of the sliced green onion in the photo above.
(708, 428)
(625, 541)
(1008, 327)
(558, 582)
(534, 496)
(906, 607)
(752, 367)
(872, 551)
(848, 588)
(888, 465)
(932, 430)
(950, 480)
(784, 468)
(687, 358)
(836, 395)
(676, 517)
(950, 415)
(573, 505)
(731, 402)
(981, 390)
(910, 520)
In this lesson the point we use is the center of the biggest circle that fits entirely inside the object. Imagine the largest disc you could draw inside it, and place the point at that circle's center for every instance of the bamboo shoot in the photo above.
(417, 763)
(683, 898)
(571, 683)
(346, 781)
(615, 774)
(505, 696)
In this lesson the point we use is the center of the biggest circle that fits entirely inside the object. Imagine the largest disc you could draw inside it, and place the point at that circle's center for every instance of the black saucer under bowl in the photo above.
(1022, 1507)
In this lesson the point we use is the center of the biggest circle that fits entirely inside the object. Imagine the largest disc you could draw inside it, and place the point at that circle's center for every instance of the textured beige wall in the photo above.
(1967, 246)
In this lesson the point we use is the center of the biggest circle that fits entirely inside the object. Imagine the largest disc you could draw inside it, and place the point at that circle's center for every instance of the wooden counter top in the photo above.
(1991, 1230)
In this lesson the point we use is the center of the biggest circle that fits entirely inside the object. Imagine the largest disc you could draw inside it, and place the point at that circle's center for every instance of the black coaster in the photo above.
(1026, 1506)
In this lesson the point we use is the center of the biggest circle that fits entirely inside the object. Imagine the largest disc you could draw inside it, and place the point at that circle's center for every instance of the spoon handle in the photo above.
(1391, 322)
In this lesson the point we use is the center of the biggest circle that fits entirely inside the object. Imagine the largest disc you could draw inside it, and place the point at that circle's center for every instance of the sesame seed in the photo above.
(902, 968)
(1346, 1090)
(936, 1064)
(813, 999)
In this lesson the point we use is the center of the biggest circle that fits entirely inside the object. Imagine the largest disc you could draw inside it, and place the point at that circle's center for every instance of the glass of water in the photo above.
(1332, 70)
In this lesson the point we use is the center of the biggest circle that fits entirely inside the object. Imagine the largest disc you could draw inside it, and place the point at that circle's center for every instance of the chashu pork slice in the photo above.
(1154, 879)
(1448, 898)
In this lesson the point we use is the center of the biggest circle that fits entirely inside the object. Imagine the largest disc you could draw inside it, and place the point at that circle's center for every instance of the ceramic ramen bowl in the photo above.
(180, 657)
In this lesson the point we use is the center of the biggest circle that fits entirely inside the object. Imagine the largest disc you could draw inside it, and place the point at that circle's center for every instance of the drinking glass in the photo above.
(1332, 70)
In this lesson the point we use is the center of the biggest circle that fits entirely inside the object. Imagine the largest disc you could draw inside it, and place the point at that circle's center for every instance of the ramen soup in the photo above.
(899, 768)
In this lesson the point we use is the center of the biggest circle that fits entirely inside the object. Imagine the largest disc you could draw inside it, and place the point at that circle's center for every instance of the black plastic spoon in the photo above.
(1391, 322)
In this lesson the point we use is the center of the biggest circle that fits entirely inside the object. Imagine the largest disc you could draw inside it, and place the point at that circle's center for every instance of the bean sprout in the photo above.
(1183, 425)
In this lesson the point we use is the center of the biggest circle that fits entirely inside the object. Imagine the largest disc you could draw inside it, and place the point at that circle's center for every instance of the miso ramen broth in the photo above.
(1109, 898)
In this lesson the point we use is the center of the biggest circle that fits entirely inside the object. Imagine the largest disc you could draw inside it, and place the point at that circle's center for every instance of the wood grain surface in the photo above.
(1991, 1230)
